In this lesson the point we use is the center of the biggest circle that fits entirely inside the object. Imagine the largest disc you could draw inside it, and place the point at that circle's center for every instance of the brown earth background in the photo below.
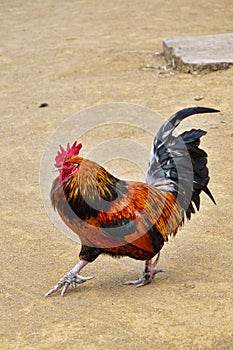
(73, 55)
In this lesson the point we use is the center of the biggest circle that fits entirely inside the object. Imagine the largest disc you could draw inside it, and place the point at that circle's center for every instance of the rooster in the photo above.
(128, 218)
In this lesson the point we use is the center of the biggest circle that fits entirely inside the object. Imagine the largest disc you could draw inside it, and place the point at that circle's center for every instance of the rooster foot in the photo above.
(148, 274)
(71, 278)
(146, 278)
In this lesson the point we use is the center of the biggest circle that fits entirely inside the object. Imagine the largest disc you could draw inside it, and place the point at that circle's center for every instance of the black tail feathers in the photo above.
(177, 164)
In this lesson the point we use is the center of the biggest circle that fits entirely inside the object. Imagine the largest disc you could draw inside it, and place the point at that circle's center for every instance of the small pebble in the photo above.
(198, 98)
(43, 105)
(232, 134)
(213, 127)
(222, 122)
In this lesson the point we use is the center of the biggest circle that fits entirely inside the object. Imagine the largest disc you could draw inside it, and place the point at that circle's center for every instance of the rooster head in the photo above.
(62, 163)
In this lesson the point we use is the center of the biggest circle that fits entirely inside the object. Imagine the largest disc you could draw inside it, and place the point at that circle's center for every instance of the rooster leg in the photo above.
(72, 277)
(148, 274)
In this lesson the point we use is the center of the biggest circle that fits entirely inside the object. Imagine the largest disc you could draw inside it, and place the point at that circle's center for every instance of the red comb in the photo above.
(63, 154)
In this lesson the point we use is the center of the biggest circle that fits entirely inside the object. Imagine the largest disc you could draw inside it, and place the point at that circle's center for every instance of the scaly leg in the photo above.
(148, 274)
(72, 277)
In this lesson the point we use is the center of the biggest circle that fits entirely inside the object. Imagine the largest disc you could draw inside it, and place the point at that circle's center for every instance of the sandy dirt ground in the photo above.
(77, 54)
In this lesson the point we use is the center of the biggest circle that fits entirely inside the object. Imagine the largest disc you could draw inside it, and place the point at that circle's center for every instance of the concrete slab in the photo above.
(200, 53)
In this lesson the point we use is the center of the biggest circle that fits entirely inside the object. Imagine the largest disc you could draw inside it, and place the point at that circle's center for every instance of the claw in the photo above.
(137, 282)
(84, 279)
(64, 289)
(142, 281)
(148, 274)
(53, 290)
(71, 278)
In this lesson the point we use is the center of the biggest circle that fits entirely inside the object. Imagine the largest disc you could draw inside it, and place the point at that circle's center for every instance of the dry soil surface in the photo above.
(73, 55)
